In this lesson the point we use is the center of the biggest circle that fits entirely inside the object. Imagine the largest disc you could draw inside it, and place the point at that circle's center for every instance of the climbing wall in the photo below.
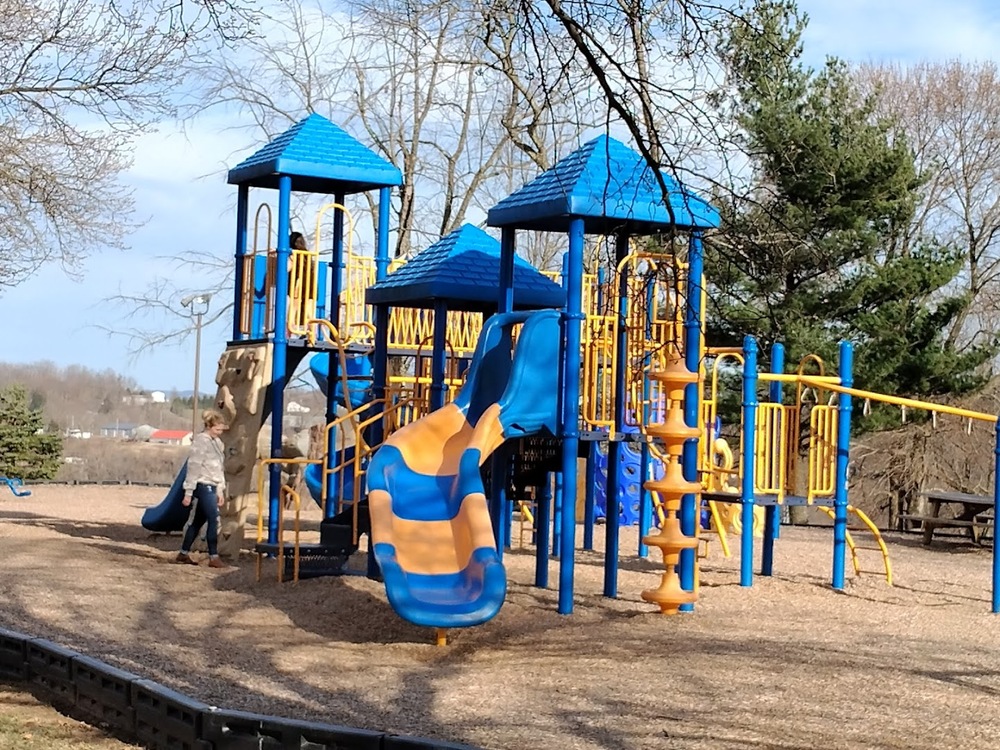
(243, 377)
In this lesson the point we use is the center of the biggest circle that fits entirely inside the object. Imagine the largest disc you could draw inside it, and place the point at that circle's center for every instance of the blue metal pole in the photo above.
(645, 500)
(772, 520)
(692, 407)
(611, 514)
(843, 459)
(279, 357)
(589, 500)
(996, 496)
(507, 240)
(571, 412)
(242, 208)
(557, 504)
(439, 355)
(337, 265)
(499, 462)
(382, 241)
(333, 359)
(543, 517)
(498, 499)
(380, 365)
(747, 459)
(380, 369)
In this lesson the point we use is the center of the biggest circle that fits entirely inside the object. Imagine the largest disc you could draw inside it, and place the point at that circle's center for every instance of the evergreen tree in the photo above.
(26, 450)
(821, 251)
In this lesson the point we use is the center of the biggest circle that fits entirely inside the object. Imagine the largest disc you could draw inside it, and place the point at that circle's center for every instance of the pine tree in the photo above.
(822, 251)
(26, 450)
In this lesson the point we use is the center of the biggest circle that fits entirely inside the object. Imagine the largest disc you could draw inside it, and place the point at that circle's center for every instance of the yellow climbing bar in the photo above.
(863, 517)
(898, 400)
(775, 377)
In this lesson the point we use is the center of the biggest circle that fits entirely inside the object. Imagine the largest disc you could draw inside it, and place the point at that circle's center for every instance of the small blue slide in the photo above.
(169, 515)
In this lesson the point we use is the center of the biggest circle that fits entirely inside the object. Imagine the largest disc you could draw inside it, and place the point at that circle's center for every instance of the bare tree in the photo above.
(78, 81)
(949, 113)
(445, 91)
(655, 66)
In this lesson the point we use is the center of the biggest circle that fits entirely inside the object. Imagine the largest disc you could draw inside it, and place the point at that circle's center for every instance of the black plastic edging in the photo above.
(142, 710)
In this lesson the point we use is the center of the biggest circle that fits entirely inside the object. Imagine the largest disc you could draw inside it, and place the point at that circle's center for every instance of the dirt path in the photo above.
(787, 664)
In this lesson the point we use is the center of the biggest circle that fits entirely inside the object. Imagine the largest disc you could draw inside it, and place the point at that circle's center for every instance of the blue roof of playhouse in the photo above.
(320, 158)
(464, 268)
(607, 184)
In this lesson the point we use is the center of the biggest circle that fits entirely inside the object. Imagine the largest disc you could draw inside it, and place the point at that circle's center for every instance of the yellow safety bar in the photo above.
(771, 456)
(361, 449)
(250, 280)
(283, 494)
(863, 517)
(822, 457)
(303, 281)
(527, 520)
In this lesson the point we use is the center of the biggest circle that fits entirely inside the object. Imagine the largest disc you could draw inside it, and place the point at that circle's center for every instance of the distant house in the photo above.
(294, 407)
(171, 437)
(119, 430)
(158, 397)
(77, 433)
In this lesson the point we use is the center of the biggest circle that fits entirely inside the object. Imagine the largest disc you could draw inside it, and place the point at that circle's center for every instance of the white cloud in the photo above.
(181, 193)
(901, 31)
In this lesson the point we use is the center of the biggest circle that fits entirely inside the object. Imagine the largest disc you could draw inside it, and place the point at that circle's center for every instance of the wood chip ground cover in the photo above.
(789, 663)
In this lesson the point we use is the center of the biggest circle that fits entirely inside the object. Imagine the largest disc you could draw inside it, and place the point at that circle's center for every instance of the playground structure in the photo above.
(432, 439)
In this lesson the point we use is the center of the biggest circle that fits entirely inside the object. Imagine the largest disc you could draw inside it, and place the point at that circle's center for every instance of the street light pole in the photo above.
(198, 303)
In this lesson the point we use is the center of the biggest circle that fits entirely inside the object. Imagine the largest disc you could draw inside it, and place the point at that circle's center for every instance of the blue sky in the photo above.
(179, 182)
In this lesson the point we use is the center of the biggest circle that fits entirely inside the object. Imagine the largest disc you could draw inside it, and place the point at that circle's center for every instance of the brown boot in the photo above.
(183, 559)
(216, 562)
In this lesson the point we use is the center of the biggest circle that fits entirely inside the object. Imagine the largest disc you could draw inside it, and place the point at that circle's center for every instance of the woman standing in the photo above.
(204, 488)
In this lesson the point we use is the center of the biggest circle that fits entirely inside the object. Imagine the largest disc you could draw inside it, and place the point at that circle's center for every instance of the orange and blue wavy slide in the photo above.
(431, 529)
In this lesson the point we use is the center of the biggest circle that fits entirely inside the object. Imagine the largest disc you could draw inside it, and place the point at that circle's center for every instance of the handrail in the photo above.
(361, 449)
(901, 401)
(256, 226)
(282, 493)
(777, 377)
(321, 214)
(341, 352)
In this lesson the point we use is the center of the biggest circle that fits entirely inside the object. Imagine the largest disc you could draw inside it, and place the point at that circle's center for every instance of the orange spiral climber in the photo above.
(673, 432)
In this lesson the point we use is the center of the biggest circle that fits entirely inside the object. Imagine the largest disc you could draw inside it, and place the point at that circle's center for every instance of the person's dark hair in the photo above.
(296, 241)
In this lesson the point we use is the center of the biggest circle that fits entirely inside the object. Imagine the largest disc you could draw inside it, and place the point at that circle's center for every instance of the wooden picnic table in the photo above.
(976, 513)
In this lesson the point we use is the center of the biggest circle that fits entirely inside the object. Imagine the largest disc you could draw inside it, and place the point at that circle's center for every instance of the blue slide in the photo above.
(432, 533)
(169, 515)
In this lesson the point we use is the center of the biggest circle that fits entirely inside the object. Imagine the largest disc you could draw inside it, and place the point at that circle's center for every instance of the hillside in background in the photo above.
(97, 413)
(77, 398)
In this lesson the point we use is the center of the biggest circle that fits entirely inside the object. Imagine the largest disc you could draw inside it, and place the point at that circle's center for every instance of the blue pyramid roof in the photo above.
(608, 185)
(464, 268)
(320, 158)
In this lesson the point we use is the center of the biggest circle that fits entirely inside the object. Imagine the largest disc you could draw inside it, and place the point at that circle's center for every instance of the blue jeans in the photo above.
(206, 509)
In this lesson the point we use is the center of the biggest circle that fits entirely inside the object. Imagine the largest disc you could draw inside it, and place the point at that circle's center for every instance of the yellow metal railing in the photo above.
(303, 278)
(822, 457)
(771, 456)
(250, 275)
(285, 495)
